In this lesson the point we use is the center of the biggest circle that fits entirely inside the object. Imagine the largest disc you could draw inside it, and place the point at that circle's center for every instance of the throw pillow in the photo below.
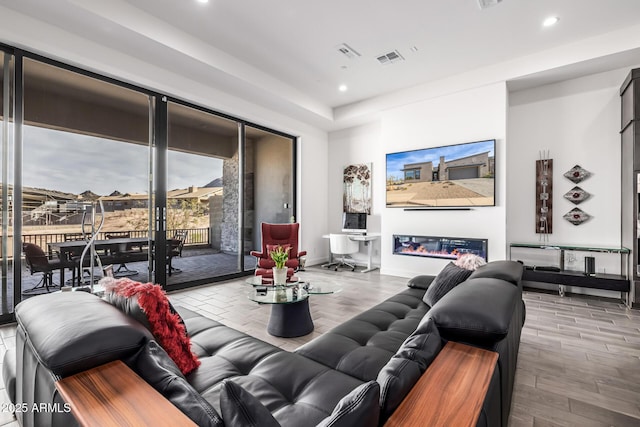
(156, 368)
(470, 262)
(405, 368)
(132, 297)
(359, 408)
(241, 409)
(450, 276)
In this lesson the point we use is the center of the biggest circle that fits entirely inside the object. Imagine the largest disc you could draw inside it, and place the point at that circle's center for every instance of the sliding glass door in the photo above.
(202, 196)
(174, 193)
(85, 171)
(7, 296)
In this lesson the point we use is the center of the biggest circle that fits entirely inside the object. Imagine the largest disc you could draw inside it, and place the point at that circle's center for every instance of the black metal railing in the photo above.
(195, 237)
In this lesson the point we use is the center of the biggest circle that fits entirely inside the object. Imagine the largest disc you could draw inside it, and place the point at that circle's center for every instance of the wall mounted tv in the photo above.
(461, 175)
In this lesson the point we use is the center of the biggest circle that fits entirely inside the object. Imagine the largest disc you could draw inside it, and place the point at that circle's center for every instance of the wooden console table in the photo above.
(114, 395)
(452, 390)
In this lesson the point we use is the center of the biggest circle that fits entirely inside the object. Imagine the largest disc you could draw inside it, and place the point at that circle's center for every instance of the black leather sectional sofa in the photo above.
(61, 334)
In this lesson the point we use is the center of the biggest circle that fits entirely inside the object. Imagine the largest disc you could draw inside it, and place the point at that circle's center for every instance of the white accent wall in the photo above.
(360, 144)
(468, 116)
(578, 121)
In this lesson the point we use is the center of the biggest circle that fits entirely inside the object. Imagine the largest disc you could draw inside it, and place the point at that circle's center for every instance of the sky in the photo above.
(74, 163)
(396, 161)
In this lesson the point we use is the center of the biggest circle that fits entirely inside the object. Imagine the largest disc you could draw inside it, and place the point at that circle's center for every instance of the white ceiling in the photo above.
(283, 53)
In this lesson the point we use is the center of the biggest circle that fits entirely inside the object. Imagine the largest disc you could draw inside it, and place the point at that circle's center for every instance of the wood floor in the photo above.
(579, 361)
(578, 365)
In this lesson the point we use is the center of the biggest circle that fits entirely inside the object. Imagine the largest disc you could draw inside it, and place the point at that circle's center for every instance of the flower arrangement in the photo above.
(280, 256)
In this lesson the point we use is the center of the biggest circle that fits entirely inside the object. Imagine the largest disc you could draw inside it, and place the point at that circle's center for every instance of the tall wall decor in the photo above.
(357, 188)
(577, 195)
(544, 196)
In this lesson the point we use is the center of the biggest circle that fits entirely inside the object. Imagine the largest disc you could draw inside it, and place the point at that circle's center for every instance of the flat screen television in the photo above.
(461, 175)
(354, 222)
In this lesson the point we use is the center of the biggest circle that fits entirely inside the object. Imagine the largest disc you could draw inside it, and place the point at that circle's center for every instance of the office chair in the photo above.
(342, 245)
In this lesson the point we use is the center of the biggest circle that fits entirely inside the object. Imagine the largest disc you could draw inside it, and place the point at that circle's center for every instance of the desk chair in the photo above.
(342, 245)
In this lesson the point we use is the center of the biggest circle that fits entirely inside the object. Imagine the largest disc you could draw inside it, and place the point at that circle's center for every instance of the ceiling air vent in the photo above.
(390, 58)
(347, 51)
(483, 4)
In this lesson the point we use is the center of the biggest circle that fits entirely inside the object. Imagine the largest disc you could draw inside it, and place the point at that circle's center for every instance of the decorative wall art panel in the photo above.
(576, 216)
(544, 196)
(577, 174)
(576, 195)
(357, 188)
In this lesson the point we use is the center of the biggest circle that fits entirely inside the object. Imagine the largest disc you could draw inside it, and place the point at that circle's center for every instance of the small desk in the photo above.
(366, 239)
(114, 395)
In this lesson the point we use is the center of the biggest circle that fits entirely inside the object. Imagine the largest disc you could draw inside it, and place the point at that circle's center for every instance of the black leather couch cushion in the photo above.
(406, 367)
(510, 271)
(357, 409)
(155, 366)
(450, 277)
(360, 347)
(82, 332)
(478, 311)
(297, 391)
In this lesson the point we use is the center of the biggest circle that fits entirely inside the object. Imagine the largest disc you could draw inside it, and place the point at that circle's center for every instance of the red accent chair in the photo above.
(272, 236)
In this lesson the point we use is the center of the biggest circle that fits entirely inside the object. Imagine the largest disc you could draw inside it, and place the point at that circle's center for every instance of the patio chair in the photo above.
(39, 262)
(122, 252)
(174, 249)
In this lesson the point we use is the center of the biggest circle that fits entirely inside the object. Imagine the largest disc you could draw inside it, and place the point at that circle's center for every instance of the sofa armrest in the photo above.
(477, 311)
(302, 253)
(452, 390)
(420, 282)
(256, 254)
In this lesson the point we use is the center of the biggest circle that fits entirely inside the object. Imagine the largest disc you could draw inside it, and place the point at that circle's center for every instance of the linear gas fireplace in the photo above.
(438, 247)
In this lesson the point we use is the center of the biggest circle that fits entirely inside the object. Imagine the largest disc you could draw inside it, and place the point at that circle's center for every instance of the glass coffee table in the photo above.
(290, 315)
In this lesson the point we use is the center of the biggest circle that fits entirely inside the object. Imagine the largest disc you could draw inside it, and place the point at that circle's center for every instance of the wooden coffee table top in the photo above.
(451, 392)
(114, 395)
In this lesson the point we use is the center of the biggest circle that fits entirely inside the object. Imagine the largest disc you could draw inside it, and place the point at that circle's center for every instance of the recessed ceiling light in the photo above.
(550, 21)
(342, 88)
(203, 1)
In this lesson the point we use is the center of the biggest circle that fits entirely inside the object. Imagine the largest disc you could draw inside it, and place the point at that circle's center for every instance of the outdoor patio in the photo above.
(195, 264)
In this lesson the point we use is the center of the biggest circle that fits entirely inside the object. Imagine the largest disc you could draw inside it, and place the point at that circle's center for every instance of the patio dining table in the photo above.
(110, 251)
